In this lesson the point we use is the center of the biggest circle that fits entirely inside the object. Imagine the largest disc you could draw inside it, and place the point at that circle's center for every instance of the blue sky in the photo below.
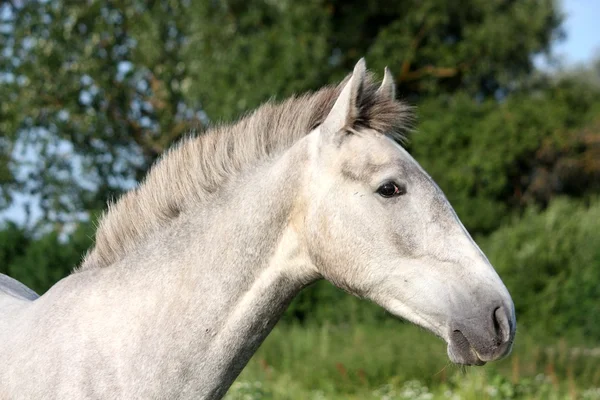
(582, 26)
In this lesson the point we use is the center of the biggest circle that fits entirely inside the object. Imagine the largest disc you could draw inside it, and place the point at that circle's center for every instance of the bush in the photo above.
(550, 262)
(39, 262)
(493, 160)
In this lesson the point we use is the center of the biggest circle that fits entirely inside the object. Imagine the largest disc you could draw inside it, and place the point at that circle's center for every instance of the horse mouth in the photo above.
(461, 352)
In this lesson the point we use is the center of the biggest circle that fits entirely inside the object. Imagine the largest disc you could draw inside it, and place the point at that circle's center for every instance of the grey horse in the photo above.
(191, 270)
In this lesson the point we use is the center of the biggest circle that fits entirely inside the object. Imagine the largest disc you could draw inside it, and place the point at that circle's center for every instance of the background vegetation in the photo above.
(92, 92)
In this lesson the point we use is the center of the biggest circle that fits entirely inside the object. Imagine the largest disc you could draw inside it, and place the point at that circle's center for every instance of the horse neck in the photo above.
(222, 276)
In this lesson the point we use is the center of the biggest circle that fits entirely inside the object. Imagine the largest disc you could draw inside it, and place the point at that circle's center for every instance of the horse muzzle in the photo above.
(475, 341)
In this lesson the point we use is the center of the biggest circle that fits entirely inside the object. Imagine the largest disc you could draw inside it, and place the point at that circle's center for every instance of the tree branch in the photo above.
(405, 69)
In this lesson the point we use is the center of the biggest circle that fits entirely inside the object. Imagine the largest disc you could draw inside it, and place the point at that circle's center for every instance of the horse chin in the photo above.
(461, 352)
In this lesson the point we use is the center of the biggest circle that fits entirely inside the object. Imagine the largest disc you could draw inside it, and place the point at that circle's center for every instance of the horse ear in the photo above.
(388, 87)
(345, 109)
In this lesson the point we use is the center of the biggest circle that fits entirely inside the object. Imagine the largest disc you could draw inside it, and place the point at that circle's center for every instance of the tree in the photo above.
(244, 52)
(98, 89)
(492, 159)
(95, 94)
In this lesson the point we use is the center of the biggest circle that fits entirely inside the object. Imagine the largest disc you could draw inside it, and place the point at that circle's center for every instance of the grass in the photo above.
(398, 361)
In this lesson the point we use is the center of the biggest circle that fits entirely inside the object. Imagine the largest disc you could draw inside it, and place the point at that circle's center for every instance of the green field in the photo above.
(397, 361)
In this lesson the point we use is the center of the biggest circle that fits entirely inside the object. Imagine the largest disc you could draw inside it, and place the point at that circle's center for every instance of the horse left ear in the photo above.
(388, 87)
(345, 109)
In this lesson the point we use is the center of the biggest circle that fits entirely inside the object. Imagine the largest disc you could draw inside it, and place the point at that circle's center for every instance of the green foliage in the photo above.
(322, 302)
(241, 53)
(39, 262)
(491, 159)
(550, 262)
(264, 48)
(94, 91)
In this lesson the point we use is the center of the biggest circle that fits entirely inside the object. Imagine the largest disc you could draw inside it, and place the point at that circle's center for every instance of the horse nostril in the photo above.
(501, 325)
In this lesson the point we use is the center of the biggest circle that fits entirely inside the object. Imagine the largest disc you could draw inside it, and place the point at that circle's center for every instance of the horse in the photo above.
(191, 270)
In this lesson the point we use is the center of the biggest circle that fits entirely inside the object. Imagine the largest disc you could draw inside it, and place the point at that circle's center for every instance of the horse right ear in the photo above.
(388, 87)
(345, 110)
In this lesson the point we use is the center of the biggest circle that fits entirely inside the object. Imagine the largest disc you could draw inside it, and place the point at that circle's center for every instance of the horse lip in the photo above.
(468, 355)
(479, 358)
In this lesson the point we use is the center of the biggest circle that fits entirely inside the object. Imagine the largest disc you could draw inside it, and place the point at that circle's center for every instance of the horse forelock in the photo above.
(193, 170)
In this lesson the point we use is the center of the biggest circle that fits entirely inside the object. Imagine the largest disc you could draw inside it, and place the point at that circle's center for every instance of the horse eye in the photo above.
(390, 189)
